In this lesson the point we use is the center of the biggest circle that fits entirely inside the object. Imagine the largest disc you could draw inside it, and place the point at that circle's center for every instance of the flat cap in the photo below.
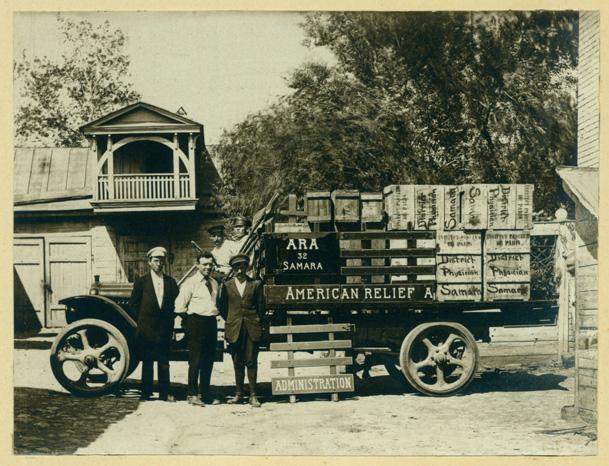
(158, 251)
(240, 220)
(216, 228)
(238, 259)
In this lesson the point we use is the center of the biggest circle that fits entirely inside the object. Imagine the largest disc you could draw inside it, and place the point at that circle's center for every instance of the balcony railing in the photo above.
(131, 187)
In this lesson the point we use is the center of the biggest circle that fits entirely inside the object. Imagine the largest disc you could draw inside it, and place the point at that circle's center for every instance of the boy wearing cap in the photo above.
(223, 249)
(240, 305)
(152, 298)
(240, 227)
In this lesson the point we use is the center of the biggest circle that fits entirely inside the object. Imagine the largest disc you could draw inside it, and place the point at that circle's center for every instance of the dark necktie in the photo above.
(209, 287)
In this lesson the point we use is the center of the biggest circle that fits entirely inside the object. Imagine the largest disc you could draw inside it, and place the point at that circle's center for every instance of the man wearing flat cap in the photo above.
(153, 298)
(223, 249)
(241, 307)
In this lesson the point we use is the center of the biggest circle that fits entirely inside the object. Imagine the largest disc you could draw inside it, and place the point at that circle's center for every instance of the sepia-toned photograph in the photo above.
(320, 233)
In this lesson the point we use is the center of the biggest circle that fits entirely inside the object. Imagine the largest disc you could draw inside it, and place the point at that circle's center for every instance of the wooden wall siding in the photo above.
(106, 240)
(105, 258)
(588, 89)
(586, 291)
(42, 171)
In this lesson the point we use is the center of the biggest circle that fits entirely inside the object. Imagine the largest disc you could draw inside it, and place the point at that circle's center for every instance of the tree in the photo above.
(417, 98)
(90, 80)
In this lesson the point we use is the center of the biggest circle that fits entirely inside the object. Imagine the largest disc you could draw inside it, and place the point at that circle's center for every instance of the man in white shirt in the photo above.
(197, 302)
(223, 249)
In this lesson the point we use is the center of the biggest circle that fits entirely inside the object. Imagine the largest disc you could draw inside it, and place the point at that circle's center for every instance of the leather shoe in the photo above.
(235, 399)
(194, 400)
(170, 398)
(210, 401)
(145, 397)
(254, 401)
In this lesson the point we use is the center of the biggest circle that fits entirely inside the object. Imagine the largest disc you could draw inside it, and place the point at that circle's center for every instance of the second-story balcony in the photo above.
(150, 191)
(146, 159)
(141, 187)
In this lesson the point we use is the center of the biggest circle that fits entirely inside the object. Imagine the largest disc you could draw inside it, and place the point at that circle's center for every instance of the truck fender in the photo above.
(85, 306)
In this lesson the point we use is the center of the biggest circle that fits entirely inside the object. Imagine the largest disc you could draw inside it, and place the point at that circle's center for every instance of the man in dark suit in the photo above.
(241, 307)
(153, 299)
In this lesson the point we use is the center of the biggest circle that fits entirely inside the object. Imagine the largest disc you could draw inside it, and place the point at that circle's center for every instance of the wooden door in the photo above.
(68, 265)
(29, 302)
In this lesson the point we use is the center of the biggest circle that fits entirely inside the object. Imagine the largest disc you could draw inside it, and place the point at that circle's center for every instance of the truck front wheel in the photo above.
(439, 358)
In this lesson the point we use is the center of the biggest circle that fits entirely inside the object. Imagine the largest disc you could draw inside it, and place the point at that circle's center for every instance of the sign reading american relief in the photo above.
(295, 294)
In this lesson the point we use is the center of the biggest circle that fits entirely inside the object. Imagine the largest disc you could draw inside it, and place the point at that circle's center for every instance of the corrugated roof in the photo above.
(582, 185)
(52, 173)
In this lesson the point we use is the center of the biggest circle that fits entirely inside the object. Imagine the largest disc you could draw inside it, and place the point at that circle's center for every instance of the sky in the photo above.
(219, 66)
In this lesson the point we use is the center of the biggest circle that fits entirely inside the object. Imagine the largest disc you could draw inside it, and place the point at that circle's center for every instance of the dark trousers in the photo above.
(245, 354)
(149, 353)
(202, 337)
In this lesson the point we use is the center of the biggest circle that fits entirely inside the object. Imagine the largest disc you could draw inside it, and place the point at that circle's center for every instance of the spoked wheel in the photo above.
(439, 358)
(90, 357)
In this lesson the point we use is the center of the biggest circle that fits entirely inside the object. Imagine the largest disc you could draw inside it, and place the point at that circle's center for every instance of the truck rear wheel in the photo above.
(439, 358)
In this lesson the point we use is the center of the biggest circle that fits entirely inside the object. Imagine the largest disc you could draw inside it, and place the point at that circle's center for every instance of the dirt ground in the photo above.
(515, 412)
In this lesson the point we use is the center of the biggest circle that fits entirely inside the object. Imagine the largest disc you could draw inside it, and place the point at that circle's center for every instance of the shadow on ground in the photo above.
(54, 423)
(521, 381)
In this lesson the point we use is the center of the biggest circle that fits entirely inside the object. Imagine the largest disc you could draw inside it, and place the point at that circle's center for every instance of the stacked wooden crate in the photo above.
(481, 234)
(483, 246)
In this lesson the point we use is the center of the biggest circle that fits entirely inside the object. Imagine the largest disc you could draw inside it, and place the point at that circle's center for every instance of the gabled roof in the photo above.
(141, 117)
(581, 183)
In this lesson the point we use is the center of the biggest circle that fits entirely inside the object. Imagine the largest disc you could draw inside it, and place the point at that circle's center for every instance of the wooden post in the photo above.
(110, 163)
(191, 168)
(291, 370)
(332, 354)
(176, 167)
(94, 169)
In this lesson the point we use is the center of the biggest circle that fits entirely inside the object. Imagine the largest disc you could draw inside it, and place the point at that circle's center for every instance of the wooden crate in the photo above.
(292, 228)
(452, 208)
(474, 206)
(507, 265)
(524, 206)
(501, 206)
(318, 206)
(429, 207)
(346, 206)
(399, 205)
(372, 207)
(459, 265)
(459, 292)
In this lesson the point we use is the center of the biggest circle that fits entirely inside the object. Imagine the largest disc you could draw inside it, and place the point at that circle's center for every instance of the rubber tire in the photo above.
(414, 333)
(56, 365)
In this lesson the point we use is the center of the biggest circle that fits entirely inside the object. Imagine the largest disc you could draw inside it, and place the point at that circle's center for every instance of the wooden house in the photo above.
(581, 183)
(146, 179)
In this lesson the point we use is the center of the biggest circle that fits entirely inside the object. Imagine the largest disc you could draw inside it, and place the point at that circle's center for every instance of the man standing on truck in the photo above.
(240, 230)
(241, 307)
(198, 304)
(152, 298)
(223, 249)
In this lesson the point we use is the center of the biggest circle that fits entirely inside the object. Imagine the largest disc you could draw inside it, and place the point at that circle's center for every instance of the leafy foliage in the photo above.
(415, 98)
(88, 81)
